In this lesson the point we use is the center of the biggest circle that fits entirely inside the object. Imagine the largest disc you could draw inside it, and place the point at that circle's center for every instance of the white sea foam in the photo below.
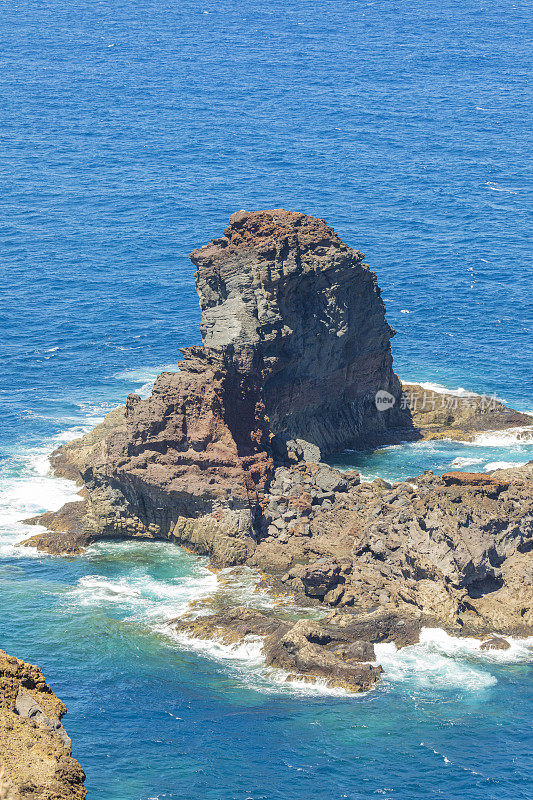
(503, 465)
(91, 411)
(249, 651)
(76, 431)
(440, 389)
(144, 376)
(437, 753)
(284, 682)
(438, 662)
(28, 488)
(145, 598)
(95, 590)
(520, 651)
(242, 586)
(423, 668)
(495, 187)
(511, 436)
(26, 492)
(441, 661)
(463, 461)
(246, 662)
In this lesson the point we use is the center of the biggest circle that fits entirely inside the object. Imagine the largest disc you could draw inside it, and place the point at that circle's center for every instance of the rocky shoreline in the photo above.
(226, 458)
(35, 751)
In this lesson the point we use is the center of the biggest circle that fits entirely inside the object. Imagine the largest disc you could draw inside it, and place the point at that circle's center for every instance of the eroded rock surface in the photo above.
(285, 285)
(35, 751)
(296, 345)
(330, 650)
(456, 549)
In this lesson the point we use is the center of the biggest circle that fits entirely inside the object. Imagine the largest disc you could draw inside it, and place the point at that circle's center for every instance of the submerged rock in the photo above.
(35, 751)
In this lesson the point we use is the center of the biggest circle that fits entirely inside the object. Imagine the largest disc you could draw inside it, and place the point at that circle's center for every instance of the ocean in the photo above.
(129, 133)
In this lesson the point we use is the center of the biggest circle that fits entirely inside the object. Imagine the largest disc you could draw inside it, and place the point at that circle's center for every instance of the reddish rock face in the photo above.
(200, 438)
(472, 479)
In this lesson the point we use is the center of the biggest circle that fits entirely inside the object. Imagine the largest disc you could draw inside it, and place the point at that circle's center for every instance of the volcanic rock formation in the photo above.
(284, 287)
(225, 456)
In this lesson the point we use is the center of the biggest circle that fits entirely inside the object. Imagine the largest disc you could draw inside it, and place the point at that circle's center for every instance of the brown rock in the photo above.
(495, 643)
(438, 415)
(35, 752)
(295, 347)
(306, 649)
(67, 531)
(312, 651)
(230, 626)
(321, 577)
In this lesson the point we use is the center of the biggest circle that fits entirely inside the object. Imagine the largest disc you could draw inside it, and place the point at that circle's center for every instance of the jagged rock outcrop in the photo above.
(225, 455)
(331, 650)
(35, 751)
(456, 549)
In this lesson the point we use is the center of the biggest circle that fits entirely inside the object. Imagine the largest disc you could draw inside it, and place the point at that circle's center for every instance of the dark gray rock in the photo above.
(26, 706)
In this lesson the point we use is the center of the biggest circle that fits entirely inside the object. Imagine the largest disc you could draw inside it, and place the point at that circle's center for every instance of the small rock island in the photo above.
(227, 458)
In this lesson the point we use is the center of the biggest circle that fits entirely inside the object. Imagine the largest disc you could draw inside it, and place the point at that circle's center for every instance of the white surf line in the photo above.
(145, 376)
(438, 388)
(27, 493)
(442, 662)
(33, 489)
(521, 435)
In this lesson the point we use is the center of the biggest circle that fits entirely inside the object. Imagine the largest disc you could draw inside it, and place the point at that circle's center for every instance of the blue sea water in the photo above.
(129, 132)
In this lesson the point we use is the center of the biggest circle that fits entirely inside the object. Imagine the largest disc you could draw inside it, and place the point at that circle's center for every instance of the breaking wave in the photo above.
(438, 388)
(245, 662)
(507, 438)
(443, 662)
(27, 488)
(145, 376)
(150, 583)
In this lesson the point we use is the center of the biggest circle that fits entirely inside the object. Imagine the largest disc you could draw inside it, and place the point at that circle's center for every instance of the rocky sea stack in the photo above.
(226, 458)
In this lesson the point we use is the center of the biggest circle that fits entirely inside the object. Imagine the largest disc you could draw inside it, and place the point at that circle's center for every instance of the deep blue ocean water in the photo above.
(129, 132)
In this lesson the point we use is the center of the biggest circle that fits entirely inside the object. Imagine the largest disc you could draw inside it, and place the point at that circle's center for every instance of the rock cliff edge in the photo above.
(35, 751)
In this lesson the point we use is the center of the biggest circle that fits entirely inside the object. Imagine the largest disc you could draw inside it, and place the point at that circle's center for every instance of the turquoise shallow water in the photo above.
(130, 132)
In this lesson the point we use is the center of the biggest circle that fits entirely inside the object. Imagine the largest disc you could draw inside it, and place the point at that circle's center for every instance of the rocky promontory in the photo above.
(226, 458)
(35, 751)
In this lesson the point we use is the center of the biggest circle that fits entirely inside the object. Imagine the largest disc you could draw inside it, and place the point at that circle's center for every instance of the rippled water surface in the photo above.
(129, 133)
